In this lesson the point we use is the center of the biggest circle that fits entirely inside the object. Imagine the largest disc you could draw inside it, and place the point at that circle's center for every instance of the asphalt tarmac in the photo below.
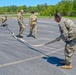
(17, 58)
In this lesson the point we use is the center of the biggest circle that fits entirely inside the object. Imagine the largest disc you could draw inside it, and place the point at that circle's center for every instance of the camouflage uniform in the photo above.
(33, 24)
(50, 16)
(21, 23)
(67, 29)
(3, 20)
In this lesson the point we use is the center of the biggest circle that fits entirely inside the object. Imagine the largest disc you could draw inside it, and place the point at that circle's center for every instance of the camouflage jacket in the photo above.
(67, 29)
(20, 18)
(33, 19)
(2, 19)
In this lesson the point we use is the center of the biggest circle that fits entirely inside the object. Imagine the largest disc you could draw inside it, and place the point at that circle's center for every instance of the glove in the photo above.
(4, 25)
(68, 41)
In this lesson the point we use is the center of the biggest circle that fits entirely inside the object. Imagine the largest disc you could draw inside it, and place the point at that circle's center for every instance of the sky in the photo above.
(27, 2)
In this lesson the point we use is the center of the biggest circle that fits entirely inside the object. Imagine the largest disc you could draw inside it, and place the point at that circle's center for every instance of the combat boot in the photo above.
(66, 66)
(20, 36)
(29, 35)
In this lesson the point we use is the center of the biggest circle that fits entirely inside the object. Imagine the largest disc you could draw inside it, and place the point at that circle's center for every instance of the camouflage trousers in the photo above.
(22, 27)
(33, 27)
(69, 51)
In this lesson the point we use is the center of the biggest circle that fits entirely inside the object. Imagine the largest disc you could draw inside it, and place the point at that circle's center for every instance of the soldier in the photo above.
(50, 15)
(21, 24)
(3, 20)
(68, 35)
(33, 24)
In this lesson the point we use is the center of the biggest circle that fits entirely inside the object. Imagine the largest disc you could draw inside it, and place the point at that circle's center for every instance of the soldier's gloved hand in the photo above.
(68, 41)
(4, 25)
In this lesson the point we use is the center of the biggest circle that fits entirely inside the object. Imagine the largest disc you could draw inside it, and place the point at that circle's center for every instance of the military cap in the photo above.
(58, 15)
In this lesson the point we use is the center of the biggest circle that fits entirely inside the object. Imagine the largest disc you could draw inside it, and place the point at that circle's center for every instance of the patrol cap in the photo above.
(32, 12)
(58, 15)
(22, 10)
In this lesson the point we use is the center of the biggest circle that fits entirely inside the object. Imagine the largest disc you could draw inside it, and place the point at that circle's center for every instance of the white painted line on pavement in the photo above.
(29, 59)
(63, 71)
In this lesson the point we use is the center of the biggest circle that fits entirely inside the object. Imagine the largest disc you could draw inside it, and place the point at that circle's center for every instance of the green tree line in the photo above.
(65, 7)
